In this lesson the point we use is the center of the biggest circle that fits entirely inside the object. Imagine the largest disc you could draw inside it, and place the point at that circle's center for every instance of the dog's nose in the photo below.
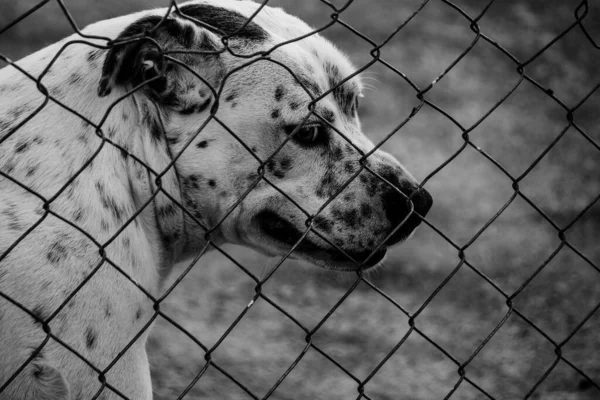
(397, 209)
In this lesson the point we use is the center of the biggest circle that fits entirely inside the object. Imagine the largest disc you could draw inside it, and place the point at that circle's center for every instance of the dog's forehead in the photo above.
(311, 53)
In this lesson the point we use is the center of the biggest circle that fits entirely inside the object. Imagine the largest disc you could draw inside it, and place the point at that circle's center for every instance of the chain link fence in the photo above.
(580, 11)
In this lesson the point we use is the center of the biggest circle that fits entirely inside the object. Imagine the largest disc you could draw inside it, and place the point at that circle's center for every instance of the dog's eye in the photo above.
(308, 134)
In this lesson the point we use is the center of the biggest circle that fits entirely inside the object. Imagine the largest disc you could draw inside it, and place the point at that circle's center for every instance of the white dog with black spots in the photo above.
(166, 104)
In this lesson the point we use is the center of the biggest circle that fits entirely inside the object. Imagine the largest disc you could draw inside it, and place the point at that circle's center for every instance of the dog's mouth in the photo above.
(286, 233)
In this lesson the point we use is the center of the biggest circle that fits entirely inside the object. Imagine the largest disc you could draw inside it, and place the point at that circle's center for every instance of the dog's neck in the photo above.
(158, 192)
(114, 185)
(154, 184)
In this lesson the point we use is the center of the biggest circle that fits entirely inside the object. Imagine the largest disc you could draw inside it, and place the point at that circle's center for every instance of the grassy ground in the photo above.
(467, 192)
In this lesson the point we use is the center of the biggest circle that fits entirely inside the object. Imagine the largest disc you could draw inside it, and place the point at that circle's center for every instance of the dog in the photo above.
(156, 136)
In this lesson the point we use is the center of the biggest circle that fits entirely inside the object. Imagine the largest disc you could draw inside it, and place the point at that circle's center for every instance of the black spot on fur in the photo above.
(198, 215)
(328, 115)
(225, 21)
(311, 86)
(275, 114)
(90, 338)
(347, 217)
(8, 167)
(83, 137)
(279, 92)
(4, 88)
(294, 105)
(74, 78)
(349, 197)
(93, 55)
(329, 184)
(57, 92)
(349, 167)
(170, 237)
(138, 314)
(56, 253)
(366, 210)
(17, 112)
(343, 93)
(203, 144)
(336, 153)
(108, 202)
(21, 147)
(323, 224)
(77, 215)
(285, 163)
(279, 174)
(231, 96)
(370, 182)
(192, 181)
(167, 211)
(212, 183)
(111, 132)
(107, 310)
(31, 170)
(271, 165)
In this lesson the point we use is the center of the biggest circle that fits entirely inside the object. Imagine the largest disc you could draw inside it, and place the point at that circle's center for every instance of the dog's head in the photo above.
(272, 163)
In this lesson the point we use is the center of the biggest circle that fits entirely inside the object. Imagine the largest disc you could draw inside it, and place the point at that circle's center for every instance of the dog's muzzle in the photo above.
(285, 232)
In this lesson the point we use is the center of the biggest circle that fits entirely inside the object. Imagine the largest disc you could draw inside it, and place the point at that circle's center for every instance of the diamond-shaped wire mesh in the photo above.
(467, 381)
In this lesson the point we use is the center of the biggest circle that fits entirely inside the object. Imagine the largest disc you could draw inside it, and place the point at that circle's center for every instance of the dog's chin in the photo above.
(278, 236)
(341, 262)
(332, 260)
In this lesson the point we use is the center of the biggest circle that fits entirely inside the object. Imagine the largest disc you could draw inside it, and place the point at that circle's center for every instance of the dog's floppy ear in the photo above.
(137, 53)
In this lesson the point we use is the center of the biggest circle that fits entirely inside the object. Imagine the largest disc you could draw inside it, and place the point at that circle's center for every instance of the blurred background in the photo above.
(468, 192)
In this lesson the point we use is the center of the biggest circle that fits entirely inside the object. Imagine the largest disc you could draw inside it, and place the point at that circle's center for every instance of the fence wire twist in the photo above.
(581, 11)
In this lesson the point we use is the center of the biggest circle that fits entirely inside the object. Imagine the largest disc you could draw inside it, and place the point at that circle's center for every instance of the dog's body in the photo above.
(61, 228)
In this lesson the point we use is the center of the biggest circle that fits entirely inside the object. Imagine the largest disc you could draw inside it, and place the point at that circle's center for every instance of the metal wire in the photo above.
(580, 12)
